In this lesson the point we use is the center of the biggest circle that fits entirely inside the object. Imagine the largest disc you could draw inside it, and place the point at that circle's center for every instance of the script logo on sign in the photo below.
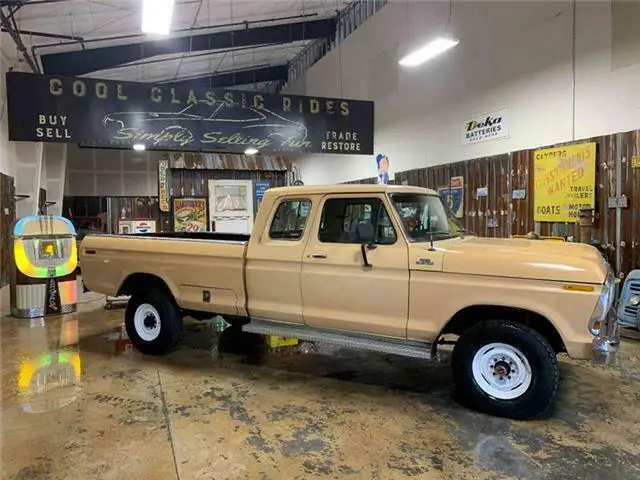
(488, 126)
(564, 182)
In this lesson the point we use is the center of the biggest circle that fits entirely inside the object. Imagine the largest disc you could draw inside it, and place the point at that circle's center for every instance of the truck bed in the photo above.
(203, 270)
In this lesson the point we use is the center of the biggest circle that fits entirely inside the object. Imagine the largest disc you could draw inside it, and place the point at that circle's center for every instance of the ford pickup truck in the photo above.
(378, 267)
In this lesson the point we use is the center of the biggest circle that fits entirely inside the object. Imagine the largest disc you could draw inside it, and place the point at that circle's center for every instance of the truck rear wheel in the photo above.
(153, 322)
(506, 369)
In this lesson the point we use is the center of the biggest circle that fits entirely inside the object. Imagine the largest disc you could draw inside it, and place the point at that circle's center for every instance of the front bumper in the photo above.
(605, 344)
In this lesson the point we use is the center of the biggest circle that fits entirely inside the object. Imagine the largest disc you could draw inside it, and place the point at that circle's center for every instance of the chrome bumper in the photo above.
(605, 344)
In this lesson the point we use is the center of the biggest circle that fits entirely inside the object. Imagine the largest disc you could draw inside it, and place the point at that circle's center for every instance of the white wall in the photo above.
(7, 150)
(516, 55)
(104, 172)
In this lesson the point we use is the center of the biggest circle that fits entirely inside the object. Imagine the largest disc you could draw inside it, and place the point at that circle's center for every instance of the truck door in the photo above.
(338, 290)
(274, 260)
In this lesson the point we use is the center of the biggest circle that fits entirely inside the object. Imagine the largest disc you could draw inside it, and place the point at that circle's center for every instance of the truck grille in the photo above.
(628, 314)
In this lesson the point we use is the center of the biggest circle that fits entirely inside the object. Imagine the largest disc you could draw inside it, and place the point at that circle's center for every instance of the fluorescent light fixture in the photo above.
(430, 50)
(156, 16)
(139, 147)
(251, 151)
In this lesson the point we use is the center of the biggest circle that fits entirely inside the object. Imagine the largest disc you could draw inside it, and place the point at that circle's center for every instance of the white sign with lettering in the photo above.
(487, 126)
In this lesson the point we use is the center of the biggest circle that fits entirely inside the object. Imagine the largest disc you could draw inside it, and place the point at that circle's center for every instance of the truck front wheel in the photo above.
(153, 322)
(506, 369)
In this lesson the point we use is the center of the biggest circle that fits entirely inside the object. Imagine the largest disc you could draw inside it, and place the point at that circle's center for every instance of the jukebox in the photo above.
(43, 277)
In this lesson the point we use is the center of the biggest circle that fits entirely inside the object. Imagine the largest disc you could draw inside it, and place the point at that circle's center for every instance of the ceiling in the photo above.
(219, 42)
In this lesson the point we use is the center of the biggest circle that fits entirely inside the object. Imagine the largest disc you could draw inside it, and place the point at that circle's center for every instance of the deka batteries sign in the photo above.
(487, 126)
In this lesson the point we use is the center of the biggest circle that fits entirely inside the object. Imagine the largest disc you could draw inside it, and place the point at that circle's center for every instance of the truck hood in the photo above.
(531, 259)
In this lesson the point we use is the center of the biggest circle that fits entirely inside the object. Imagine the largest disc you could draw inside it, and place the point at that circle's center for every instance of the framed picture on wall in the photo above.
(189, 214)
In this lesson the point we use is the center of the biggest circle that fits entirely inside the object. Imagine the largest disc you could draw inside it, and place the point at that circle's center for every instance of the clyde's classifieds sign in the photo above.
(105, 113)
(488, 126)
(563, 182)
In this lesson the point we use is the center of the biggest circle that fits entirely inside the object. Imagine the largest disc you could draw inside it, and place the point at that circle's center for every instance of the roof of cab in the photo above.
(348, 188)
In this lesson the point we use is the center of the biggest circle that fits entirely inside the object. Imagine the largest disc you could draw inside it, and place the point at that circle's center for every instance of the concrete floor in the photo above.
(290, 415)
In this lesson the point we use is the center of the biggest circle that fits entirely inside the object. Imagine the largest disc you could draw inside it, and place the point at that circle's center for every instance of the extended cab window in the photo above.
(290, 220)
(341, 216)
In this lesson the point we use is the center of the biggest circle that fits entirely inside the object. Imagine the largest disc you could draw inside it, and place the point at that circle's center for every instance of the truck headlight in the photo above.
(605, 302)
(634, 300)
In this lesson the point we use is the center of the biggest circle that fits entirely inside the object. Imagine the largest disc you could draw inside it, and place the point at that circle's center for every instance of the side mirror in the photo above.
(366, 235)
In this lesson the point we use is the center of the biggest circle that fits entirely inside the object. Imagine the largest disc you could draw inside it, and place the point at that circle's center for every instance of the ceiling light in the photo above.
(139, 147)
(251, 151)
(156, 16)
(430, 50)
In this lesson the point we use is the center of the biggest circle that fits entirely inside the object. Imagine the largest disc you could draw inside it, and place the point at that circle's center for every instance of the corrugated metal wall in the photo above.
(500, 215)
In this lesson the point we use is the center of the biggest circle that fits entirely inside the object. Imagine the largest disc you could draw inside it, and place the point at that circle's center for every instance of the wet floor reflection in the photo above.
(227, 406)
(49, 366)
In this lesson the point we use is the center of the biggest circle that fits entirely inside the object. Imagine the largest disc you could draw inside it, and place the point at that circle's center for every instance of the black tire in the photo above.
(170, 322)
(536, 400)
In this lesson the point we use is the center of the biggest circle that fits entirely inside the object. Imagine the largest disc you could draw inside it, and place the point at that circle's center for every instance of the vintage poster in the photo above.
(564, 182)
(163, 185)
(452, 195)
(190, 214)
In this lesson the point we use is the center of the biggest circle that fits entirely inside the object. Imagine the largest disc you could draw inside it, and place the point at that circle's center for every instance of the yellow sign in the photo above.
(564, 182)
(635, 161)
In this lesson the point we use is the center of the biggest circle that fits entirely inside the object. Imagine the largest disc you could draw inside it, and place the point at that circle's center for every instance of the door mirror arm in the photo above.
(363, 249)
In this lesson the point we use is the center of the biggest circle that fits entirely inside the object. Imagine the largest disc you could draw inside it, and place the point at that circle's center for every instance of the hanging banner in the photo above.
(453, 196)
(564, 182)
(488, 126)
(107, 113)
(163, 185)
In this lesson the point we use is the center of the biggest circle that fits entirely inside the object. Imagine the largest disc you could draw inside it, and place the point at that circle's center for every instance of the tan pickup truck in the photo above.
(378, 267)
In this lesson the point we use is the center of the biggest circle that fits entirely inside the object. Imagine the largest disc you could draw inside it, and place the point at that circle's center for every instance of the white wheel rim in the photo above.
(147, 322)
(501, 371)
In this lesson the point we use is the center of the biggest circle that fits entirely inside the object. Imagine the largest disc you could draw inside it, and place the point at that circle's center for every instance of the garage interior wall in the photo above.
(105, 172)
(564, 71)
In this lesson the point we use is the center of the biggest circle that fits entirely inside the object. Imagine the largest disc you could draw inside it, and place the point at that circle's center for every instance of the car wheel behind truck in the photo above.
(506, 369)
(153, 322)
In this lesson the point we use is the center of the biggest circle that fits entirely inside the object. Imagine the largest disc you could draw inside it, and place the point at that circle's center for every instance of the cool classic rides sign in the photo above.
(104, 113)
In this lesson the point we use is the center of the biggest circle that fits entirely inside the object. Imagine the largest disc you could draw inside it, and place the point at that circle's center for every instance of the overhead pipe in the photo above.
(45, 34)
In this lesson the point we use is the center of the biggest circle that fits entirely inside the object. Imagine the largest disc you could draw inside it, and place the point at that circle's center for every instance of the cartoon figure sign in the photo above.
(453, 196)
(382, 162)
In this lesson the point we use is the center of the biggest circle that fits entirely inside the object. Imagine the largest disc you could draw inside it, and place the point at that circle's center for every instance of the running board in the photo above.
(393, 346)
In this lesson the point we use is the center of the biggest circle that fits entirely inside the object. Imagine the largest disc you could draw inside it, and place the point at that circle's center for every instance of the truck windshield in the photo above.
(424, 216)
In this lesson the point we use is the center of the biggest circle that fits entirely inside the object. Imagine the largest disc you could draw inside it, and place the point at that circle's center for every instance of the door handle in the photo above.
(317, 255)
(90, 252)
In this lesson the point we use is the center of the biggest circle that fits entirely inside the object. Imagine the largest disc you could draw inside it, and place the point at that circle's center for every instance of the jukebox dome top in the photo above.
(45, 246)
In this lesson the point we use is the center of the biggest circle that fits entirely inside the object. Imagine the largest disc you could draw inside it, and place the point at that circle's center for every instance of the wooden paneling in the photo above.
(502, 174)
(7, 218)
